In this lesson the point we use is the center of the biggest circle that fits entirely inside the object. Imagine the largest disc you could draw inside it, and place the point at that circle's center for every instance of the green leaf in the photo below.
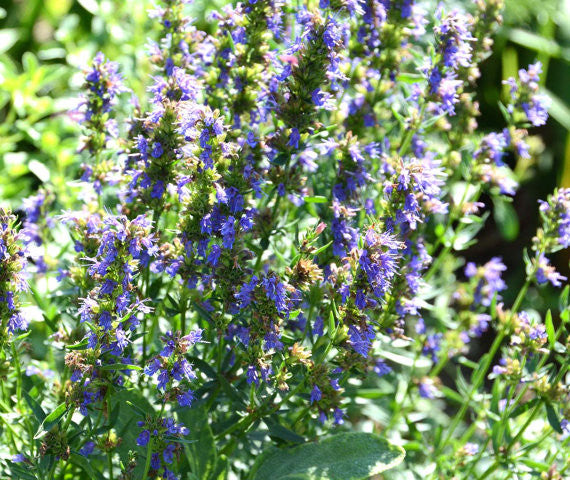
(36, 407)
(331, 326)
(553, 418)
(406, 361)
(506, 219)
(558, 110)
(83, 463)
(82, 345)
(132, 404)
(120, 366)
(520, 409)
(536, 42)
(550, 329)
(39, 170)
(202, 311)
(8, 37)
(277, 430)
(346, 456)
(51, 420)
(563, 300)
(201, 448)
(18, 473)
(90, 5)
(316, 199)
(322, 249)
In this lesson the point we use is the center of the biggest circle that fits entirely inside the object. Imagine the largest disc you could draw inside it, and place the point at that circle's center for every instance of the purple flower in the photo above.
(168, 452)
(294, 138)
(87, 449)
(252, 375)
(107, 287)
(360, 339)
(547, 273)
(338, 415)
(251, 141)
(316, 394)
(228, 232)
(157, 150)
(426, 389)
(318, 326)
(381, 368)
(489, 280)
(185, 399)
(143, 438)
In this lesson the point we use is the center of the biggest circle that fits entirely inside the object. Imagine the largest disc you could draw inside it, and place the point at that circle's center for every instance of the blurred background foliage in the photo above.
(44, 45)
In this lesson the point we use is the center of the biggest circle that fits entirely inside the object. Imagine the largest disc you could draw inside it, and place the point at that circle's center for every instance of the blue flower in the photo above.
(316, 394)
(381, 368)
(143, 438)
(87, 449)
(294, 138)
(157, 150)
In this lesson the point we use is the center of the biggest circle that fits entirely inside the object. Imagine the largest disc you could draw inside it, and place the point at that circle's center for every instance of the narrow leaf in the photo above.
(51, 420)
(550, 329)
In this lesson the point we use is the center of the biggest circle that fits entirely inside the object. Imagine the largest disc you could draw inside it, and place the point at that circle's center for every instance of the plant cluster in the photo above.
(266, 250)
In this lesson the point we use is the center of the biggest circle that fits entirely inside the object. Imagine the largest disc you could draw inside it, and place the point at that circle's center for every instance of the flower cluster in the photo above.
(275, 241)
(103, 84)
(12, 281)
(111, 305)
(172, 367)
(524, 93)
(161, 435)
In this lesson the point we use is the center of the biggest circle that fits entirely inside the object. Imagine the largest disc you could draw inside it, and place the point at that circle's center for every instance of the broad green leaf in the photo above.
(277, 430)
(346, 456)
(126, 423)
(84, 464)
(201, 452)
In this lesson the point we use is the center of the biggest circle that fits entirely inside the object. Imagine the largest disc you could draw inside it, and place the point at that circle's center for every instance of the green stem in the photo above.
(149, 448)
(184, 308)
(147, 462)
(476, 385)
(109, 453)
(410, 132)
(18, 376)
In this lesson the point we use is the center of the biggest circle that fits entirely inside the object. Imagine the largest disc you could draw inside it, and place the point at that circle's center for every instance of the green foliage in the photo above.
(346, 456)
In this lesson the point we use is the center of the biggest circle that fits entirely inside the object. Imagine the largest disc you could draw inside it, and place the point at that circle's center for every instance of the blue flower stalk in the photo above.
(12, 280)
(174, 372)
(311, 64)
(179, 42)
(103, 84)
(110, 308)
(242, 56)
